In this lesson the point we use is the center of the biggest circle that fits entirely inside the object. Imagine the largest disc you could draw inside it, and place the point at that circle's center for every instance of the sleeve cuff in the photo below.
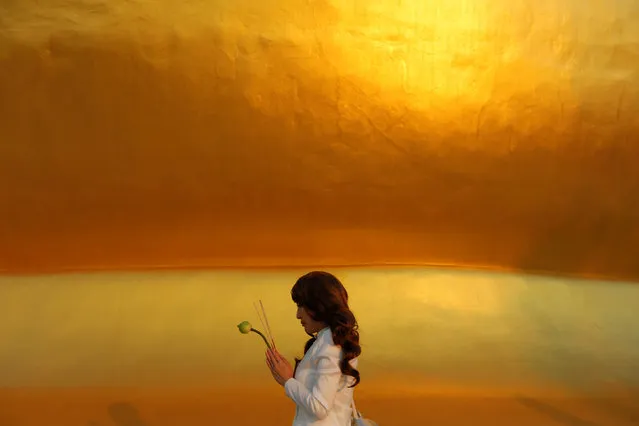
(287, 387)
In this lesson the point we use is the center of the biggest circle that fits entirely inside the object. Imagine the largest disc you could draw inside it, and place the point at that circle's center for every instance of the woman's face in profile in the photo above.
(310, 325)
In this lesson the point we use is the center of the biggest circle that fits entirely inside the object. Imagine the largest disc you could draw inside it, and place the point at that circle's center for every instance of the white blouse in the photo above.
(319, 389)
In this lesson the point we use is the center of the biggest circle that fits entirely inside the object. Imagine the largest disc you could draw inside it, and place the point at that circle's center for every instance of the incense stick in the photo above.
(259, 315)
(268, 327)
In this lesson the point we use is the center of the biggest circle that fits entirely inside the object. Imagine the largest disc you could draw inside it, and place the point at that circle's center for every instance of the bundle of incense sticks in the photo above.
(261, 313)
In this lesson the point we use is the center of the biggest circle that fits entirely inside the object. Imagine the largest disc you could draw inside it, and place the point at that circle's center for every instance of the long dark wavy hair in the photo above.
(325, 299)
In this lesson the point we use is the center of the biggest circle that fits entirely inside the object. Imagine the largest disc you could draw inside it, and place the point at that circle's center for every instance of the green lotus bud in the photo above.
(245, 327)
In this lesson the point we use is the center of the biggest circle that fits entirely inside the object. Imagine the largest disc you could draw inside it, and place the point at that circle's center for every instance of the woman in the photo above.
(322, 382)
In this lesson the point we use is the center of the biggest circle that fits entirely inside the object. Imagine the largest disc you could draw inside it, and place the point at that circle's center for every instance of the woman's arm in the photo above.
(319, 400)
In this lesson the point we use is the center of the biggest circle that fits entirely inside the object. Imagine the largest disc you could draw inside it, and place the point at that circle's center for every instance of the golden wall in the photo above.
(426, 329)
(230, 133)
(163, 349)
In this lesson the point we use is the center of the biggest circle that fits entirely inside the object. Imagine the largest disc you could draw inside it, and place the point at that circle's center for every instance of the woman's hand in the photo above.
(280, 368)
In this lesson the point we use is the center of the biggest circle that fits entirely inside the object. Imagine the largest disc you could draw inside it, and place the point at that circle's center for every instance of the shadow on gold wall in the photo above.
(492, 134)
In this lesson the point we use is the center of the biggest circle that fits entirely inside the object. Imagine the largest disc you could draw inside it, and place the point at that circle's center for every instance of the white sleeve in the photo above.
(319, 400)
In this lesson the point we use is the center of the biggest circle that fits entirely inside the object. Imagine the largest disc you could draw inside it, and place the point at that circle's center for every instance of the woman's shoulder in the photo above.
(326, 346)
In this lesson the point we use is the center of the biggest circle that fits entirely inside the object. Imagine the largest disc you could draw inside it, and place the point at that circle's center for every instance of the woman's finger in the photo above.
(274, 373)
(275, 357)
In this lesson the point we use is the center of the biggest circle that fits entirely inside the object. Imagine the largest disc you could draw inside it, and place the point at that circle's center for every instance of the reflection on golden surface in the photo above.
(442, 329)
(233, 133)
(165, 347)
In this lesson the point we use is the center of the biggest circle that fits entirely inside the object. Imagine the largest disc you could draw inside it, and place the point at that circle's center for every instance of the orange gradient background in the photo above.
(495, 134)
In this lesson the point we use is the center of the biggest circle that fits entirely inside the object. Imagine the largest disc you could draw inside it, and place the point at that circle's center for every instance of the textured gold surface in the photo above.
(490, 133)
